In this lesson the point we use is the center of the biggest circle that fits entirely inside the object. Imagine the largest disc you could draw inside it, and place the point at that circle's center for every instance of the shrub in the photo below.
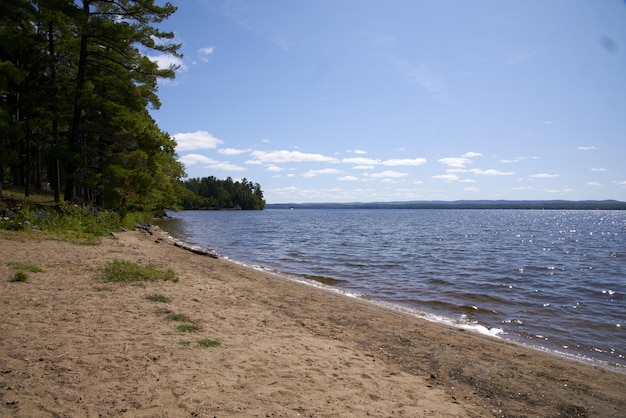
(19, 276)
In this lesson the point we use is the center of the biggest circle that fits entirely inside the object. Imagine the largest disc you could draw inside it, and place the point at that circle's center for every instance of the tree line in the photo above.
(211, 193)
(76, 86)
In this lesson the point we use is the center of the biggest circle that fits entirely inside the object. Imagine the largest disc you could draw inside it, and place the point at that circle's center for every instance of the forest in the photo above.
(76, 91)
(211, 193)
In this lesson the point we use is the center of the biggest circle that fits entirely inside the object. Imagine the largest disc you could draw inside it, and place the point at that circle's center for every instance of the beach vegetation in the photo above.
(125, 271)
(19, 276)
(24, 266)
(206, 342)
(187, 325)
(158, 298)
(179, 318)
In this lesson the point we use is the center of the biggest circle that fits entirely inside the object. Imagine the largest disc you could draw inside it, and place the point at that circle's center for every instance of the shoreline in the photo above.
(607, 363)
(76, 346)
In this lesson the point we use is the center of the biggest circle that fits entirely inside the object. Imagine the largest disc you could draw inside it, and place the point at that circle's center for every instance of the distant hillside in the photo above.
(464, 204)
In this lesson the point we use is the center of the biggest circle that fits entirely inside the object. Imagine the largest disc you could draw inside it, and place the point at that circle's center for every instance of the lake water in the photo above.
(552, 279)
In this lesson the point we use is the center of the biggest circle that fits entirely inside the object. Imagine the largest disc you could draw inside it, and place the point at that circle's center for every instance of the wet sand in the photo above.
(73, 346)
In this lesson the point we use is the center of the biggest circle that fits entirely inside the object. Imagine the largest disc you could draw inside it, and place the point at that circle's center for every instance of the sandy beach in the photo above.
(74, 346)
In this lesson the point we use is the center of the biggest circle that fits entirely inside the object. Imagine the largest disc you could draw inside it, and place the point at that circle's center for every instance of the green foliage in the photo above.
(211, 193)
(125, 271)
(188, 324)
(24, 266)
(64, 219)
(205, 342)
(179, 318)
(19, 276)
(76, 86)
(191, 327)
(158, 298)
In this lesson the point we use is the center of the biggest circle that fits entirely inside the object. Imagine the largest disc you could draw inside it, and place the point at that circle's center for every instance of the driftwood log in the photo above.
(196, 249)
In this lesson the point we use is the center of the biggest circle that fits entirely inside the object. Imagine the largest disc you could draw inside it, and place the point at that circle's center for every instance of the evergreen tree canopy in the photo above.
(211, 193)
(76, 86)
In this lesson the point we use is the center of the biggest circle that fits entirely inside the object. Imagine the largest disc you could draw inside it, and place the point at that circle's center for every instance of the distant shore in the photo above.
(464, 204)
(72, 345)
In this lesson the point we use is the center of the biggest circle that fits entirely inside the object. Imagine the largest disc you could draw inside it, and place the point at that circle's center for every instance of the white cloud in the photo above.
(166, 61)
(274, 168)
(196, 140)
(232, 151)
(314, 173)
(363, 167)
(597, 169)
(472, 154)
(490, 172)
(446, 177)
(226, 167)
(360, 161)
(591, 148)
(284, 156)
(348, 178)
(543, 175)
(203, 53)
(405, 161)
(192, 159)
(458, 162)
(471, 189)
(594, 184)
(388, 174)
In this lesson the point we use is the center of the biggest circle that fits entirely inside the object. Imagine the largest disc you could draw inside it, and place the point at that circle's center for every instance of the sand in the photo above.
(73, 346)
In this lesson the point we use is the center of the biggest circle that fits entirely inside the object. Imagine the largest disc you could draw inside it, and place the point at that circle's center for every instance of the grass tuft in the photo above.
(188, 324)
(190, 327)
(179, 318)
(19, 276)
(208, 343)
(24, 266)
(124, 271)
(158, 298)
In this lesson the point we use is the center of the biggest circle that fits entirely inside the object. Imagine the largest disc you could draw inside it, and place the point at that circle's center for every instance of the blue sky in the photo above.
(371, 100)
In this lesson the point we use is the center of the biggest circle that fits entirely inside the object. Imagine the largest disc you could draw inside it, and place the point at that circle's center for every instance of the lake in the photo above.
(553, 279)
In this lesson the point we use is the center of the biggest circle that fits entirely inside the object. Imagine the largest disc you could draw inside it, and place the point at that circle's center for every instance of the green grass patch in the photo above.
(185, 343)
(127, 272)
(179, 318)
(24, 266)
(19, 276)
(188, 324)
(208, 343)
(158, 298)
(190, 327)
